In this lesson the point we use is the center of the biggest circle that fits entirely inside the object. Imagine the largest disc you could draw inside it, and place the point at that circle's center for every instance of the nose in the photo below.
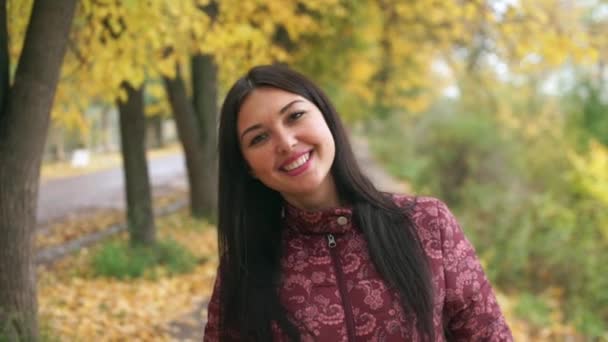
(286, 141)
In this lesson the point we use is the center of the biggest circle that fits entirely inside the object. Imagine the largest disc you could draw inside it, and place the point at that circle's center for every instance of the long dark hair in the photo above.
(249, 226)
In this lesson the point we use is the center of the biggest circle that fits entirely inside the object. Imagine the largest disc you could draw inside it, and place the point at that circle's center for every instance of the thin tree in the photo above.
(188, 133)
(204, 78)
(204, 98)
(140, 217)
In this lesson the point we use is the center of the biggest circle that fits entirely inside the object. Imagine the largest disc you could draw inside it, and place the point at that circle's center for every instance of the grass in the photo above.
(118, 260)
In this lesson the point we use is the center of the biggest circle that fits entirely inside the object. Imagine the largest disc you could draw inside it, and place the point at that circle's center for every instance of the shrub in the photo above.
(534, 222)
(121, 261)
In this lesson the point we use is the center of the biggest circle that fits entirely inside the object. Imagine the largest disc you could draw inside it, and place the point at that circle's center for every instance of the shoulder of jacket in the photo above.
(429, 214)
(425, 205)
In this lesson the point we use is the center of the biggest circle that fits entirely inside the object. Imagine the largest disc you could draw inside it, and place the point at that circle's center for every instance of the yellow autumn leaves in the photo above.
(380, 52)
(75, 306)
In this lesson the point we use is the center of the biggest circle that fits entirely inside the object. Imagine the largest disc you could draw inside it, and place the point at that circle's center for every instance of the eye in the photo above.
(258, 139)
(296, 115)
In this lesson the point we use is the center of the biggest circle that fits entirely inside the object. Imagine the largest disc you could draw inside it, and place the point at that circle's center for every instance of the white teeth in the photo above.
(298, 162)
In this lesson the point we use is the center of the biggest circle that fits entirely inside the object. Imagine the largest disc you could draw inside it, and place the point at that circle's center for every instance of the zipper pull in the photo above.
(331, 241)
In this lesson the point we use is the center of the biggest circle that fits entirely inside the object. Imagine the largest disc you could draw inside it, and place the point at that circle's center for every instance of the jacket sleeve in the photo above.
(212, 332)
(471, 312)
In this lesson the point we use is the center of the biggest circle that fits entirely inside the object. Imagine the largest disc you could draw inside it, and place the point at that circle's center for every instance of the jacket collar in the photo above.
(328, 221)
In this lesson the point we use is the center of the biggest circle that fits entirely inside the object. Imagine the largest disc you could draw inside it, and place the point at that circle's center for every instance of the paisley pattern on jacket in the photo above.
(333, 292)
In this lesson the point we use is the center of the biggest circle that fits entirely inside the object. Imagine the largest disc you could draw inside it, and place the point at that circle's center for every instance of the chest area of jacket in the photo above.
(329, 285)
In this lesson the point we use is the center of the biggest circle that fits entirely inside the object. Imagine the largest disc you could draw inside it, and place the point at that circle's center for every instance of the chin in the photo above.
(305, 190)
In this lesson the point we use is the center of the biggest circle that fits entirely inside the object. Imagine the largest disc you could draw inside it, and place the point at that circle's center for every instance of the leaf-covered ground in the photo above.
(77, 306)
(92, 221)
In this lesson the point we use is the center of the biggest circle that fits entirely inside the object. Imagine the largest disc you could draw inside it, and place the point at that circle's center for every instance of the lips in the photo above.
(297, 161)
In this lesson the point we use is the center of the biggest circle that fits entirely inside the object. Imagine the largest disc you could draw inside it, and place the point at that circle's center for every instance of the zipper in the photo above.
(348, 310)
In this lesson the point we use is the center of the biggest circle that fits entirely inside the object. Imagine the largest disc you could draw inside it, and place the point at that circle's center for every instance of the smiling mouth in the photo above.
(297, 163)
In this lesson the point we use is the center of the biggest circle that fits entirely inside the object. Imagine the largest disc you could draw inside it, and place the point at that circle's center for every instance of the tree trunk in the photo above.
(204, 90)
(155, 130)
(24, 122)
(105, 128)
(140, 217)
(188, 133)
(157, 123)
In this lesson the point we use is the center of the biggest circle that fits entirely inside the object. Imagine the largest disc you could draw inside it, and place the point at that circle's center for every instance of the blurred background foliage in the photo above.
(521, 156)
(499, 107)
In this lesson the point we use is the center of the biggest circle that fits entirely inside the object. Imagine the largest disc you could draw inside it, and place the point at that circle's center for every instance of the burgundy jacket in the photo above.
(333, 292)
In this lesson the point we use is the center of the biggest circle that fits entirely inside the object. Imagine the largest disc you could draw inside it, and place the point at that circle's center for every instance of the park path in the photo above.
(61, 198)
(382, 179)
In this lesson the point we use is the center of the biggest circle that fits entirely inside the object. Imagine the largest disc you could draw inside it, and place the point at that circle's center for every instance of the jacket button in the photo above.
(342, 220)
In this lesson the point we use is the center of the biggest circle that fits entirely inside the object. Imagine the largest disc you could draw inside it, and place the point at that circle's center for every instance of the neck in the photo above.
(318, 200)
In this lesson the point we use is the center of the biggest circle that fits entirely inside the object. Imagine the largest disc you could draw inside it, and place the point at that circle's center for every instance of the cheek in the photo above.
(328, 140)
(258, 161)
(331, 148)
(321, 130)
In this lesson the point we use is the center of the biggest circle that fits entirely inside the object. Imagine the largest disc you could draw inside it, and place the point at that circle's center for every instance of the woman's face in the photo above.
(288, 146)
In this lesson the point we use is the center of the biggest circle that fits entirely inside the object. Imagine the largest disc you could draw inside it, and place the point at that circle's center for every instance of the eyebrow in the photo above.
(282, 111)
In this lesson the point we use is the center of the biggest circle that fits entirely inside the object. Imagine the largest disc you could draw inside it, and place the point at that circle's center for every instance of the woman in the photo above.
(310, 250)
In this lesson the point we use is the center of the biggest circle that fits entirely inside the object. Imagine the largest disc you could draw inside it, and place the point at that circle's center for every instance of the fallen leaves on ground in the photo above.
(75, 226)
(75, 305)
(92, 221)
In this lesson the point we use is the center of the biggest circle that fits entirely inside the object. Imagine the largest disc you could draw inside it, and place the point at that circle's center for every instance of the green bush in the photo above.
(514, 196)
(175, 257)
(121, 261)
(533, 309)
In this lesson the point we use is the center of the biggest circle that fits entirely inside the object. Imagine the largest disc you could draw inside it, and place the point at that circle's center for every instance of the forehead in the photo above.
(263, 102)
